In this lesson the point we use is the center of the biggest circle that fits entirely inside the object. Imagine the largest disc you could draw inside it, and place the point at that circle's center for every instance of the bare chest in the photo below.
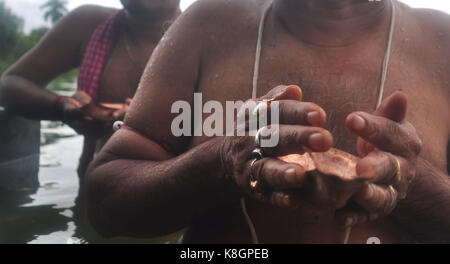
(340, 81)
(122, 73)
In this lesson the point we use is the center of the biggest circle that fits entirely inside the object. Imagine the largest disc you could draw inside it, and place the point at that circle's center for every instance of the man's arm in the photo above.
(146, 194)
(22, 86)
(137, 188)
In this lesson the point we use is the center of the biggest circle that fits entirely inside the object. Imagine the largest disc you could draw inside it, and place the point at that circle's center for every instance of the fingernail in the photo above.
(290, 175)
(313, 118)
(316, 141)
(358, 123)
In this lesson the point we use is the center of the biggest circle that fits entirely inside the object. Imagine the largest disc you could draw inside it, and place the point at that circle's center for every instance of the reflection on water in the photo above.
(52, 213)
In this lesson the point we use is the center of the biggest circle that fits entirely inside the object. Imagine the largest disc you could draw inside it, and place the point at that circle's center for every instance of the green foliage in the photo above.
(55, 9)
(10, 28)
(65, 82)
(14, 43)
(10, 35)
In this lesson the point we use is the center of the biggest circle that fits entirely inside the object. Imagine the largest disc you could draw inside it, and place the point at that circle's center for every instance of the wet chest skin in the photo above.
(122, 73)
(341, 81)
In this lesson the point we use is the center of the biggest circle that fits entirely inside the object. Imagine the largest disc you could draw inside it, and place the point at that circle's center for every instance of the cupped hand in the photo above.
(389, 147)
(76, 114)
(299, 129)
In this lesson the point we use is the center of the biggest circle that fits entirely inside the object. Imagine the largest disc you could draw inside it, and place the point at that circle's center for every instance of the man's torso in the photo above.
(341, 80)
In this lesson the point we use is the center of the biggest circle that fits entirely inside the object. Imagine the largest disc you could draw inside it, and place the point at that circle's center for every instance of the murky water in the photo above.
(50, 214)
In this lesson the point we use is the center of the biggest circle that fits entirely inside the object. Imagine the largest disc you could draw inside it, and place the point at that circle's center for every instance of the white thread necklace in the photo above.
(384, 71)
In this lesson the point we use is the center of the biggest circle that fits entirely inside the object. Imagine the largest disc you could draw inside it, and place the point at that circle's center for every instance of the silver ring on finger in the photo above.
(394, 196)
(398, 173)
(257, 154)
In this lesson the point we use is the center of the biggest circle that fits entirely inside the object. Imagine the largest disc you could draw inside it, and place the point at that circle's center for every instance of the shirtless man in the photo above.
(63, 48)
(147, 182)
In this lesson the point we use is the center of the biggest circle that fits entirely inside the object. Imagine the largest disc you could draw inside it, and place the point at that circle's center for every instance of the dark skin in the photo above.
(312, 44)
(62, 49)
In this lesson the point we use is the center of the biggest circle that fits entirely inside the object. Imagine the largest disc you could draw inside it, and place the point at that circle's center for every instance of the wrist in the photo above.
(58, 105)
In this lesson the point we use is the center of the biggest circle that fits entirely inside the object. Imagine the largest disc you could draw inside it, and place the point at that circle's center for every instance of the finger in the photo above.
(279, 199)
(301, 113)
(274, 174)
(75, 102)
(297, 139)
(284, 92)
(119, 113)
(377, 199)
(394, 107)
(380, 167)
(384, 168)
(385, 134)
(128, 101)
(363, 147)
(74, 113)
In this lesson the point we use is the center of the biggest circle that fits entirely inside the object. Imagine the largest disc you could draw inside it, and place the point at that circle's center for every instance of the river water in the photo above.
(50, 214)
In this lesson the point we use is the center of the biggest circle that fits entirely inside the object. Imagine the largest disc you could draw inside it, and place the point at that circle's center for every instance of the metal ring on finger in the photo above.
(394, 196)
(398, 174)
(256, 155)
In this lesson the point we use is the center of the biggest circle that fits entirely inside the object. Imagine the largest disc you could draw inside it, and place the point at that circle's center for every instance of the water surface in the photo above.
(50, 214)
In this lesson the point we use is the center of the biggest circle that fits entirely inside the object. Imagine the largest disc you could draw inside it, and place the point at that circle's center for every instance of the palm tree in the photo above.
(55, 9)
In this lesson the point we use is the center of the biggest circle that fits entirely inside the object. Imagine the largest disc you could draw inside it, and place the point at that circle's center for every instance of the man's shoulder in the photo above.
(430, 42)
(431, 35)
(227, 7)
(89, 15)
(434, 25)
(224, 13)
(212, 24)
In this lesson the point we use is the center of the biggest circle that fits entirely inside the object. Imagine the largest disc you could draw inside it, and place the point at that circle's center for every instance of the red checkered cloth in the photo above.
(99, 48)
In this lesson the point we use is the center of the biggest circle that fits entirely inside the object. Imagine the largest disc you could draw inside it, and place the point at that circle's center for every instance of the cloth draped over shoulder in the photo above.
(98, 50)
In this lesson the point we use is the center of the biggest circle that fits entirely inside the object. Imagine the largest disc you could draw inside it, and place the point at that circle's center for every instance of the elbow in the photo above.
(111, 209)
(117, 206)
(99, 211)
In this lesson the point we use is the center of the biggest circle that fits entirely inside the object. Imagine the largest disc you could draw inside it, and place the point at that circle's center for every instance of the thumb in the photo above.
(394, 107)
(284, 92)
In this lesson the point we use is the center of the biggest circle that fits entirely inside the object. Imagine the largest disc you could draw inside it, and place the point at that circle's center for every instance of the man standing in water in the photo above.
(147, 182)
(111, 48)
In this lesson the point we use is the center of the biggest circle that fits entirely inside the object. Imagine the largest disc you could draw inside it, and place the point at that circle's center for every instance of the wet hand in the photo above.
(300, 129)
(389, 147)
(77, 118)
(120, 114)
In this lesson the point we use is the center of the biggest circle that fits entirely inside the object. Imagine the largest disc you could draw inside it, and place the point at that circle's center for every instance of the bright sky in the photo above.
(29, 9)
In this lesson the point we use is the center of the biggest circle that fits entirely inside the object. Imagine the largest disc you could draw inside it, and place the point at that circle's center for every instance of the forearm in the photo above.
(426, 211)
(151, 198)
(22, 97)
